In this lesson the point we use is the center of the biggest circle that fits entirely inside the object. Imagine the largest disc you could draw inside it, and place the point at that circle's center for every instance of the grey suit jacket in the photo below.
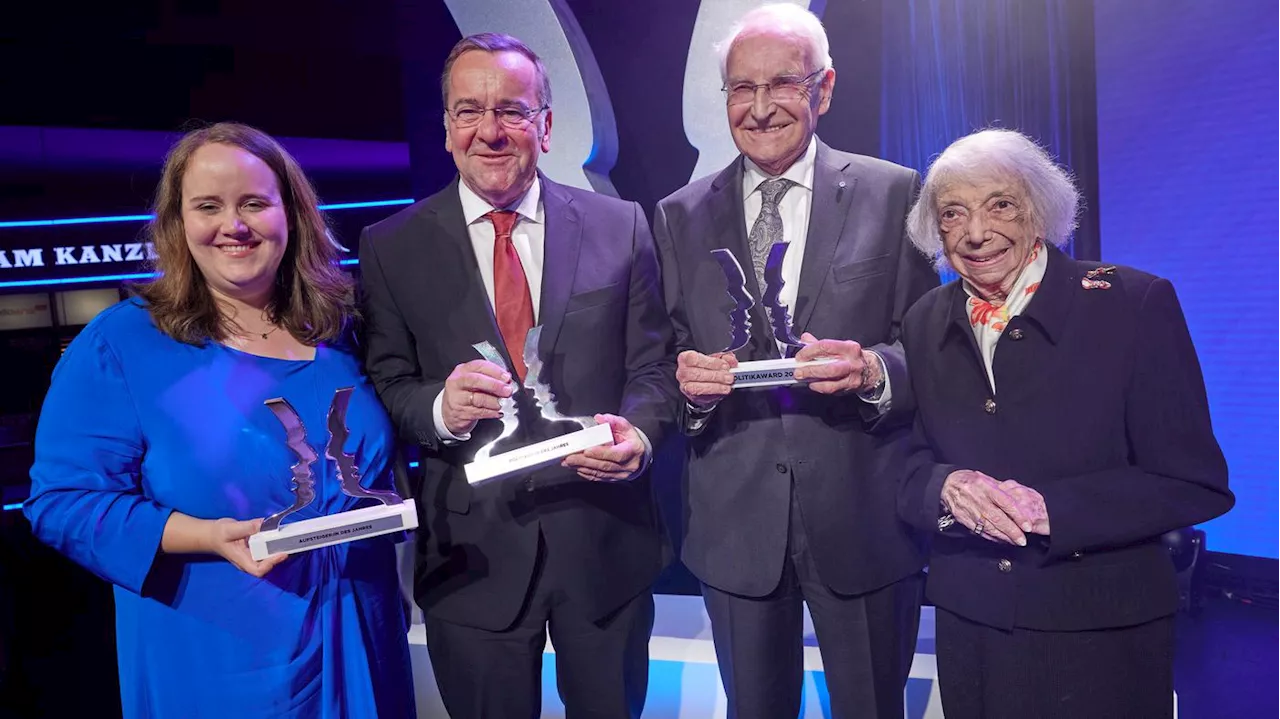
(607, 345)
(858, 277)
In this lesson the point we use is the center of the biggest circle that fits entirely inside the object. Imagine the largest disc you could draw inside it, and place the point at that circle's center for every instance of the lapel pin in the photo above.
(1100, 271)
(1089, 284)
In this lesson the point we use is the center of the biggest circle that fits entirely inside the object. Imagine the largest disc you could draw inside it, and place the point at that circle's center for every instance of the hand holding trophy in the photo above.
(392, 515)
(486, 465)
(771, 372)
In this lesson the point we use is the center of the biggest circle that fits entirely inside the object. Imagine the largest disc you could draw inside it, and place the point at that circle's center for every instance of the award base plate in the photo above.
(538, 455)
(770, 373)
(333, 529)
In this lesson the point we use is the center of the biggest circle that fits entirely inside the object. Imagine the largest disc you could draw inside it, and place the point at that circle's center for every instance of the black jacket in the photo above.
(1100, 406)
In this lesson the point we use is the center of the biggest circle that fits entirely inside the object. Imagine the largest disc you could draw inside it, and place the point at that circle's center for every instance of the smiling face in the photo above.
(775, 134)
(235, 222)
(987, 233)
(497, 162)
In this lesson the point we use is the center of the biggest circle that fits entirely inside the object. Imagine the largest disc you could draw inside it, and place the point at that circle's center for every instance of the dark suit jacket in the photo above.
(1099, 406)
(859, 275)
(607, 345)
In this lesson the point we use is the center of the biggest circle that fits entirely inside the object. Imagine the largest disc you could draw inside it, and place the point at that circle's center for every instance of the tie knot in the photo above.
(772, 190)
(503, 222)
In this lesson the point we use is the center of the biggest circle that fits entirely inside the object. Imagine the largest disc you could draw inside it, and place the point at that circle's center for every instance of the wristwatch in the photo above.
(871, 392)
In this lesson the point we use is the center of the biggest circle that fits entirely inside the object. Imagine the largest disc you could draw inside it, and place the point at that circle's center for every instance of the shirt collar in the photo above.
(529, 206)
(800, 172)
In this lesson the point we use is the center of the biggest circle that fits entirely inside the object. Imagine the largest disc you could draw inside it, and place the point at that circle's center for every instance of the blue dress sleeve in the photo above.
(86, 495)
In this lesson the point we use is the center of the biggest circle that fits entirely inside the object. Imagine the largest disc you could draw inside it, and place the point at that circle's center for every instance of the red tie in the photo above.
(511, 301)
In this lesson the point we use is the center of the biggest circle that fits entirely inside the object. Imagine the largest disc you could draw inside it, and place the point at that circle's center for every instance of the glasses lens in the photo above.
(467, 117)
(786, 91)
(512, 118)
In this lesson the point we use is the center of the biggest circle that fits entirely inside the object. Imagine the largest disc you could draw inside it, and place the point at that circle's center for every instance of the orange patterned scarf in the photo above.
(989, 320)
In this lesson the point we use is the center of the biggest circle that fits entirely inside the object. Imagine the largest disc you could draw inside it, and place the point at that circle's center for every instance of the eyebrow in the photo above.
(218, 198)
(506, 102)
(786, 75)
(943, 200)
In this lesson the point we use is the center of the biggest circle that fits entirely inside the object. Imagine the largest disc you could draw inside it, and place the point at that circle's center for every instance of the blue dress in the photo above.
(137, 425)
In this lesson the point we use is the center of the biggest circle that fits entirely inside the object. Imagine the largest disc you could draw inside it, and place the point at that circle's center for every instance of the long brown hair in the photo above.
(313, 299)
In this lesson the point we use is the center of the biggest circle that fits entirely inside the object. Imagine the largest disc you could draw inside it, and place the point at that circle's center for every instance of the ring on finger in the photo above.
(979, 528)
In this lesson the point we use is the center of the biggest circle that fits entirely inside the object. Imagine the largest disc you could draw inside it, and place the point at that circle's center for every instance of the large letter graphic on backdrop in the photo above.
(705, 125)
(584, 140)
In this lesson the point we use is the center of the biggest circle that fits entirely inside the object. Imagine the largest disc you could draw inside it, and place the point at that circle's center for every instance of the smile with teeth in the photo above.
(768, 130)
(236, 249)
(988, 258)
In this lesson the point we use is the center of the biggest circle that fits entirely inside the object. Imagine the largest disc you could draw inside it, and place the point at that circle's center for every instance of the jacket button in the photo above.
(1005, 566)
(1077, 554)
(782, 468)
(989, 406)
(1015, 334)
(528, 484)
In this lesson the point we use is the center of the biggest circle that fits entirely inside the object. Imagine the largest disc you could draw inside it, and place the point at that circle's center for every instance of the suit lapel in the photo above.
(833, 189)
(467, 310)
(562, 239)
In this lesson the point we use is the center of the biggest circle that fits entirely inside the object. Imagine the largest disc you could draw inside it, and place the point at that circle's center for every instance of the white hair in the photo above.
(787, 18)
(1052, 199)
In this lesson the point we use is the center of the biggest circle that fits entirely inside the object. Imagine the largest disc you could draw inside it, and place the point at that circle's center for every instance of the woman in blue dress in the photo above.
(157, 457)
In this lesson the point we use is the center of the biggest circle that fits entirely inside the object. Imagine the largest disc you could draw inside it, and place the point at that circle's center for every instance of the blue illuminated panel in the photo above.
(1187, 168)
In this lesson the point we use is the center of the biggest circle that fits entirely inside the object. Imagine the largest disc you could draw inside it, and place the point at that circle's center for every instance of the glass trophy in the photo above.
(486, 465)
(393, 514)
(770, 372)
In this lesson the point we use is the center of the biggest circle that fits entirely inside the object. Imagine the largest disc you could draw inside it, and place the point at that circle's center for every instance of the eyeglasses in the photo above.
(780, 89)
(511, 117)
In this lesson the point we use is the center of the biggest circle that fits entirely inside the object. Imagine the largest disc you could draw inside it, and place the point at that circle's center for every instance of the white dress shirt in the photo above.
(527, 236)
(794, 210)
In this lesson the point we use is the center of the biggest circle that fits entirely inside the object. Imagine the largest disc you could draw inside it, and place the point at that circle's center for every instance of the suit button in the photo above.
(782, 468)
(1015, 334)
(1005, 566)
(989, 406)
(528, 484)
(1077, 554)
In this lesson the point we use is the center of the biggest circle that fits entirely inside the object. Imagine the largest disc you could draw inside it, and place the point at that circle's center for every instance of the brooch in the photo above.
(1090, 280)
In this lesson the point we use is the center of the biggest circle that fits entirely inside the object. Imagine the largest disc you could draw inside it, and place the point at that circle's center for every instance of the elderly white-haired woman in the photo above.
(1050, 391)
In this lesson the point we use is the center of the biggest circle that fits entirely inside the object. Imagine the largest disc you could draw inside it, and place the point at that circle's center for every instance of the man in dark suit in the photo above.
(790, 491)
(573, 549)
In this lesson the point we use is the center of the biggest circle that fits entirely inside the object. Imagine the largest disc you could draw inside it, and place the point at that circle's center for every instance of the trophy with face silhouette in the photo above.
(486, 465)
(393, 514)
(761, 373)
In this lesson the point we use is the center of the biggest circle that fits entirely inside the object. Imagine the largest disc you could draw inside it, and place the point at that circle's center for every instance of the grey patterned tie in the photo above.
(767, 229)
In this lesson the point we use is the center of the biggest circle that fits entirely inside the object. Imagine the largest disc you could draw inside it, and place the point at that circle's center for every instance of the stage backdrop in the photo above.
(1187, 165)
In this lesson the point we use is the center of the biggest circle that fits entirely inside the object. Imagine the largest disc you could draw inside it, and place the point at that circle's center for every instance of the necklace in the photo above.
(268, 332)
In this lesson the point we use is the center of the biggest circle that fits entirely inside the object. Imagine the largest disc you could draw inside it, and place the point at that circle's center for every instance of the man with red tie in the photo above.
(572, 550)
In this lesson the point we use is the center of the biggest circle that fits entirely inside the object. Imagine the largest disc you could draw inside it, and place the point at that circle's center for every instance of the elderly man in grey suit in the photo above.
(790, 490)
